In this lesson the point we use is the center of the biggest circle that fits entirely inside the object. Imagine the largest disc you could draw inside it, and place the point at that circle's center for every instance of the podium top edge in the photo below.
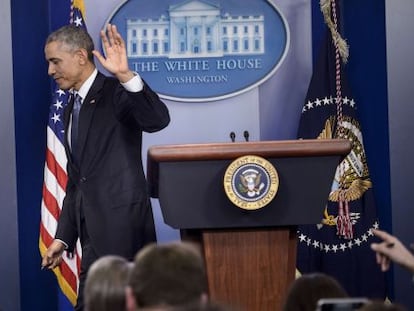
(266, 149)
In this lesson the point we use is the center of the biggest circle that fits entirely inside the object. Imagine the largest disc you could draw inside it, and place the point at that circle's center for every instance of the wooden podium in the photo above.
(250, 255)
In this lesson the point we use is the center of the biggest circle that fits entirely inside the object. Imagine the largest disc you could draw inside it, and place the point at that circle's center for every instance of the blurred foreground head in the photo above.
(170, 274)
(306, 290)
(106, 283)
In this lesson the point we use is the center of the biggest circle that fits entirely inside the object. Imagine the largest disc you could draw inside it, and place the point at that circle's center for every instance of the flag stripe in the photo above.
(44, 234)
(70, 276)
(51, 204)
(52, 185)
(53, 158)
(57, 148)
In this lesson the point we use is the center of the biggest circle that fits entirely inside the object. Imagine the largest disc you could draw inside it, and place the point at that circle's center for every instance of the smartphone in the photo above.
(341, 304)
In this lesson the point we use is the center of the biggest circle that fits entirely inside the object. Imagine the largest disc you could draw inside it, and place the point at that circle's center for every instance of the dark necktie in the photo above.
(75, 122)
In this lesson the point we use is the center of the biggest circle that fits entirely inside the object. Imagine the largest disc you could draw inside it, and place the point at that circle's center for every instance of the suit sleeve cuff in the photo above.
(63, 242)
(135, 84)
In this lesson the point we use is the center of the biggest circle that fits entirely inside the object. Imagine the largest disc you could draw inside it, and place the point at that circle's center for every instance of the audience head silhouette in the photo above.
(167, 275)
(306, 290)
(106, 283)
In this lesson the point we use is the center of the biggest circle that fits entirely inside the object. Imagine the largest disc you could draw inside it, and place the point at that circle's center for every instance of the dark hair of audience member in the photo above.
(105, 284)
(306, 290)
(170, 274)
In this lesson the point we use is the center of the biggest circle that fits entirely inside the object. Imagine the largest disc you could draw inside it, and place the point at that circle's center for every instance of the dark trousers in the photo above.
(88, 257)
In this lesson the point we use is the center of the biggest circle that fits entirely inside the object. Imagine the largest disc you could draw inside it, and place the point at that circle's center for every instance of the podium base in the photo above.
(248, 269)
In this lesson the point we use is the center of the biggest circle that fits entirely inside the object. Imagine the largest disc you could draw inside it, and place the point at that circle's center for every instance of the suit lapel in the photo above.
(66, 120)
(87, 112)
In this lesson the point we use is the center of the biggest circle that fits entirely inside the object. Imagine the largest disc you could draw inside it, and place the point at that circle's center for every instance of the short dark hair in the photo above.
(73, 38)
(168, 274)
(106, 282)
(306, 290)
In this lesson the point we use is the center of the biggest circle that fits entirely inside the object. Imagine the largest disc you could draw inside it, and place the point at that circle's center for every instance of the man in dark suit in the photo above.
(106, 203)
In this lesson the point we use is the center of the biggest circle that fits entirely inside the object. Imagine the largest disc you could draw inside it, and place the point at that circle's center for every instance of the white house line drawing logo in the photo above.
(203, 50)
(195, 29)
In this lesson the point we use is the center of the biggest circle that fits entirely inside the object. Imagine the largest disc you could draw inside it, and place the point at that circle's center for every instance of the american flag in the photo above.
(55, 179)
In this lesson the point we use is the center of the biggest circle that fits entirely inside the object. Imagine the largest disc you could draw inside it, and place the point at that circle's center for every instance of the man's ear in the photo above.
(131, 304)
(82, 56)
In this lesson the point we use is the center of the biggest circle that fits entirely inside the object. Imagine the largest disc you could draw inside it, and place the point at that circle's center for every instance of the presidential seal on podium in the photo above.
(251, 182)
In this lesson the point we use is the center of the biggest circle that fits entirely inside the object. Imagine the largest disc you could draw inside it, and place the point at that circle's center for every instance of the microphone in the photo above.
(246, 135)
(232, 136)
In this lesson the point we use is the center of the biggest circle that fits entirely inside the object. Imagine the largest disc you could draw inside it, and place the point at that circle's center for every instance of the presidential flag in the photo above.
(55, 179)
(340, 244)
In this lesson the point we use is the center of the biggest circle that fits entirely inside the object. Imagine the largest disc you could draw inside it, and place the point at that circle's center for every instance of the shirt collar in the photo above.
(84, 89)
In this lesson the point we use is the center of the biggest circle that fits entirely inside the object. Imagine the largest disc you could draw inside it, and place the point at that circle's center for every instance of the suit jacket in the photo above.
(108, 183)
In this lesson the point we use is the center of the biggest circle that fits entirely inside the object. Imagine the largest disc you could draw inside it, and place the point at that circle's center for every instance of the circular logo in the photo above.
(251, 182)
(200, 51)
